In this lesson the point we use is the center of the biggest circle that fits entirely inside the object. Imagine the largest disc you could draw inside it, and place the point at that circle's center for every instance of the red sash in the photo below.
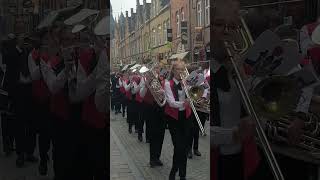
(174, 112)
(90, 114)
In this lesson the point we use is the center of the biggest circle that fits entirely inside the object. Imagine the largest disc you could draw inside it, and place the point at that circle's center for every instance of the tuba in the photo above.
(153, 83)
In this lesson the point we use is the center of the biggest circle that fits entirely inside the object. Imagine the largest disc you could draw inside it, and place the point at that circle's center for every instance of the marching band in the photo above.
(160, 102)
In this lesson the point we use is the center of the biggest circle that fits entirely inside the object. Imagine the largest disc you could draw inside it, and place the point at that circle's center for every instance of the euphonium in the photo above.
(153, 83)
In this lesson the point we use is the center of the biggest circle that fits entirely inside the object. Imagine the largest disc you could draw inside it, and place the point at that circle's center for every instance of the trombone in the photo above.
(186, 90)
(245, 35)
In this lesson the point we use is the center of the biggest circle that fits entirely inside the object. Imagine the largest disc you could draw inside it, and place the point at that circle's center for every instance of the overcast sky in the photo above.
(124, 5)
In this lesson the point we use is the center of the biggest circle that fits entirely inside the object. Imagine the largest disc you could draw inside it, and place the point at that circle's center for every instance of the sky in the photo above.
(124, 5)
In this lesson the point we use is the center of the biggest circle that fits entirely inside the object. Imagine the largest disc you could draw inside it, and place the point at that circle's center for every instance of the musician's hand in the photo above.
(295, 131)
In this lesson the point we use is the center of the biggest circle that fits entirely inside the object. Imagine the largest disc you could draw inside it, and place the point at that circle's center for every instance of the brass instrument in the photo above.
(197, 92)
(310, 142)
(243, 36)
(153, 83)
(192, 93)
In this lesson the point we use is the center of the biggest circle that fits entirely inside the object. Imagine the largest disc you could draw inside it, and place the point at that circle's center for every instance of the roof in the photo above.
(80, 16)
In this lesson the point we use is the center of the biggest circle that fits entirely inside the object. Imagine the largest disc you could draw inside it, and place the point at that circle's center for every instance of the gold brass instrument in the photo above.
(243, 36)
(153, 83)
(192, 93)
(197, 92)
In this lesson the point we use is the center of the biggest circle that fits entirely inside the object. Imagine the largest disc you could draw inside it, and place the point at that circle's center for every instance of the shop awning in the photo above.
(80, 16)
(103, 27)
(54, 15)
(179, 56)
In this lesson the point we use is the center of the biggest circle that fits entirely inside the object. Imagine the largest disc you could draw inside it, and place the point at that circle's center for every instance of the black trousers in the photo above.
(123, 99)
(24, 124)
(180, 134)
(117, 100)
(133, 114)
(63, 148)
(230, 167)
(194, 140)
(143, 110)
(94, 162)
(157, 130)
(7, 122)
(44, 123)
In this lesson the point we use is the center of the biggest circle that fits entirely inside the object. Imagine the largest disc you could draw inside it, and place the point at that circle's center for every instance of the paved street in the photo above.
(8, 170)
(135, 158)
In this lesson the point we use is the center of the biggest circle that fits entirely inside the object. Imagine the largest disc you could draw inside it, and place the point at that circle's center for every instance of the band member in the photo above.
(123, 80)
(157, 124)
(141, 109)
(178, 113)
(91, 87)
(40, 95)
(19, 89)
(54, 74)
(117, 95)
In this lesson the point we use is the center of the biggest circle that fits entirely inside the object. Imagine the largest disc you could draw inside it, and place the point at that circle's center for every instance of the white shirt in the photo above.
(305, 40)
(170, 98)
(33, 68)
(54, 83)
(102, 83)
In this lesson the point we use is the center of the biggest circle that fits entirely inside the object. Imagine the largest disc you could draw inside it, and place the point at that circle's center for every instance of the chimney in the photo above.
(131, 11)
(126, 14)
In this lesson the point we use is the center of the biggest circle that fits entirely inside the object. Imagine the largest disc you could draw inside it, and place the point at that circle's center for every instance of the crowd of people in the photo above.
(58, 101)
(133, 99)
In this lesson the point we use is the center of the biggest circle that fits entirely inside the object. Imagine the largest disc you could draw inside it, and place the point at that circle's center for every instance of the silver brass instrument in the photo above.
(153, 83)
(196, 92)
(242, 34)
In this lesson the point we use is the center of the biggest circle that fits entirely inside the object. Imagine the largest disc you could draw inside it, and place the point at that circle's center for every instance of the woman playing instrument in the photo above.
(178, 113)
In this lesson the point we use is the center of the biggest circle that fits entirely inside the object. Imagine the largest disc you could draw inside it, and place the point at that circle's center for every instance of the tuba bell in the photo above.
(153, 83)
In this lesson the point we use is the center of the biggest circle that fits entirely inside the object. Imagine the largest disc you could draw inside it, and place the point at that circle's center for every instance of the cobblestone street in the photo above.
(133, 159)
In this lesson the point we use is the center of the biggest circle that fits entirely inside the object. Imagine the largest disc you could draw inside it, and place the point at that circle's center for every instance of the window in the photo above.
(165, 31)
(199, 14)
(154, 42)
(182, 14)
(159, 35)
(178, 23)
(207, 12)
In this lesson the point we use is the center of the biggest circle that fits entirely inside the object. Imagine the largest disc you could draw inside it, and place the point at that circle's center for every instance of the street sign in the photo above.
(184, 32)
(169, 35)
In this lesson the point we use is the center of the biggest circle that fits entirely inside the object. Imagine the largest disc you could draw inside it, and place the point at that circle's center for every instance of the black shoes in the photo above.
(43, 168)
(172, 175)
(155, 163)
(196, 152)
